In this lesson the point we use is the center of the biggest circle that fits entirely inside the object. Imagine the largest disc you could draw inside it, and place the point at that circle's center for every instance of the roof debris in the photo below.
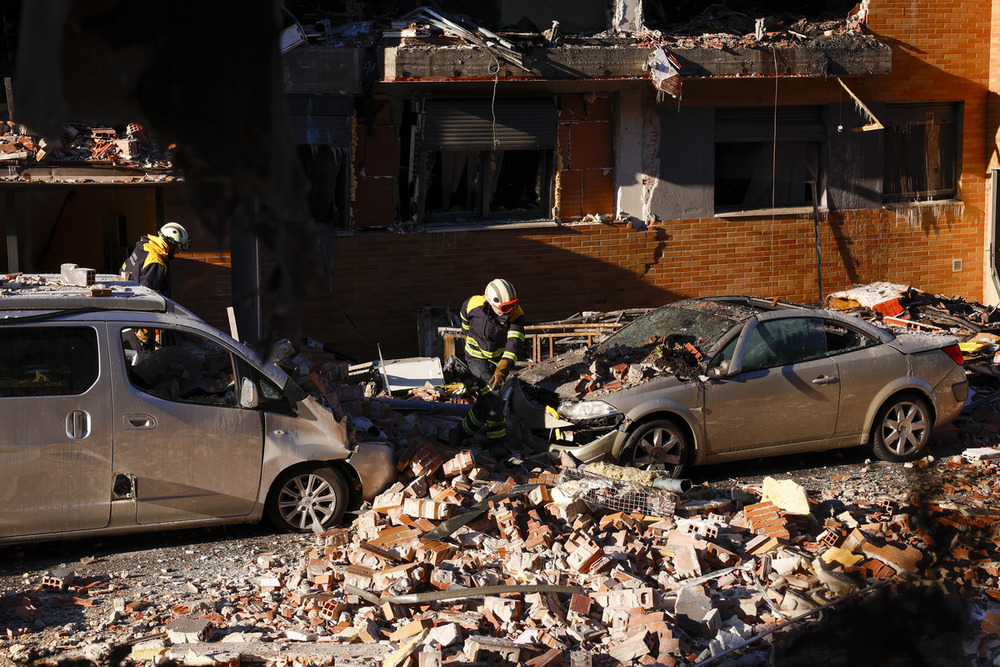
(83, 145)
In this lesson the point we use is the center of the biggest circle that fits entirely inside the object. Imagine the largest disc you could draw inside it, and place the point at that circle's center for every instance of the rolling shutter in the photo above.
(765, 124)
(468, 124)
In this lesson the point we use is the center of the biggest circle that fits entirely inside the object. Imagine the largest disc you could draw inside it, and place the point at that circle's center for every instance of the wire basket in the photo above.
(617, 494)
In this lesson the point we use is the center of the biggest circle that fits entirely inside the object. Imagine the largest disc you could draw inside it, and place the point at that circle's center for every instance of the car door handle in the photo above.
(77, 425)
(138, 422)
(826, 379)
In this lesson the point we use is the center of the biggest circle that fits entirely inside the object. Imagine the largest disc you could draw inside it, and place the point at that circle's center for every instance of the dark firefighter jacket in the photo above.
(147, 265)
(490, 336)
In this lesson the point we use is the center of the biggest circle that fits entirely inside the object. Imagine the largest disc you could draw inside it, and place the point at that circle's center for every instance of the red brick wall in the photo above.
(201, 275)
(586, 177)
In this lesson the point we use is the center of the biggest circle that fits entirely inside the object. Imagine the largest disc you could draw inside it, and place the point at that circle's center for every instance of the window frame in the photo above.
(771, 128)
(944, 115)
(485, 129)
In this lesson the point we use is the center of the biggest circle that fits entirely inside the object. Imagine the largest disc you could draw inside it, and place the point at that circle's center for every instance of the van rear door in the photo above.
(55, 445)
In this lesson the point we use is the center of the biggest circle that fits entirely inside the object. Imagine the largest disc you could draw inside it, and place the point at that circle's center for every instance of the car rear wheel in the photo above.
(303, 500)
(657, 445)
(902, 429)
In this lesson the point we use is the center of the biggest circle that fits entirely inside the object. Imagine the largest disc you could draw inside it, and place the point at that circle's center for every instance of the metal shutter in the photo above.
(468, 125)
(759, 124)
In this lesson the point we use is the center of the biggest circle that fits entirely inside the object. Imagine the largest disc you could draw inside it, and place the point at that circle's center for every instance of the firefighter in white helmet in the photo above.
(149, 262)
(493, 323)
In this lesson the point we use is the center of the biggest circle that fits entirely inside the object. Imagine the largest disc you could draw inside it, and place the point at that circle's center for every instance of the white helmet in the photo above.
(175, 234)
(501, 295)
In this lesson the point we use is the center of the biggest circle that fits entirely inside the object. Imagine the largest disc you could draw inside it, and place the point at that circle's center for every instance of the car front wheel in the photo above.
(656, 445)
(304, 500)
(902, 429)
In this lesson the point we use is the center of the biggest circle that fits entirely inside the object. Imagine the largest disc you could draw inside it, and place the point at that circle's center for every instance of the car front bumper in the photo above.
(531, 424)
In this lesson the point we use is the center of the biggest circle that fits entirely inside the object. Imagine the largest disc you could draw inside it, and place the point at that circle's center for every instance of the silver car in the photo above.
(124, 412)
(724, 378)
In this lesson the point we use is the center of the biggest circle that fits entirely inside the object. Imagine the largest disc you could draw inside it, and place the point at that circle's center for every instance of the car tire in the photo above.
(306, 499)
(656, 445)
(902, 429)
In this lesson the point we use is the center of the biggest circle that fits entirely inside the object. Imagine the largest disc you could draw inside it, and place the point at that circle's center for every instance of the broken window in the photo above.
(768, 158)
(179, 366)
(921, 152)
(486, 160)
(321, 128)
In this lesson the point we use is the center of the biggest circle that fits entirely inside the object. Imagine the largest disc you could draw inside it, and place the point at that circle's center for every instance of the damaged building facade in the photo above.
(620, 154)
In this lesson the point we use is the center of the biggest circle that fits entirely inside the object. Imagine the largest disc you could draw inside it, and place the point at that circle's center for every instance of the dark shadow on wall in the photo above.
(382, 282)
(844, 245)
(204, 289)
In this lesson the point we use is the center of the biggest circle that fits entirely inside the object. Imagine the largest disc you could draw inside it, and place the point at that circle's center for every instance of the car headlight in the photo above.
(584, 410)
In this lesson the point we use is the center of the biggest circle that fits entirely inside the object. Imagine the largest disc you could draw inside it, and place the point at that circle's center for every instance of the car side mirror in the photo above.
(720, 370)
(248, 394)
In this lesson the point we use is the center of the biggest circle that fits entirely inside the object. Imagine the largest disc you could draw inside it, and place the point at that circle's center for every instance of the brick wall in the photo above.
(201, 275)
(586, 178)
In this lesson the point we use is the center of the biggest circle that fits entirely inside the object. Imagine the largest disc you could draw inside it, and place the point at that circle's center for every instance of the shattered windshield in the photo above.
(700, 324)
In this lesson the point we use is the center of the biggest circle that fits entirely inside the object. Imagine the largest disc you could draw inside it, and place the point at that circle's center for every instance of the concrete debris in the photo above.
(650, 589)
(786, 495)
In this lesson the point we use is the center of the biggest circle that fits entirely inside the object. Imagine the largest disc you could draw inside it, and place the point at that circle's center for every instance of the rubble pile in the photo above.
(721, 27)
(83, 144)
(470, 560)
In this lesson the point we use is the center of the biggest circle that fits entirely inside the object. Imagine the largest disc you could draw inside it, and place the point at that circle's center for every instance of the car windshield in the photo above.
(701, 324)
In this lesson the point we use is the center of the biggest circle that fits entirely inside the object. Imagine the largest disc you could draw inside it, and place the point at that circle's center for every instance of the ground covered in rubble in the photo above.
(723, 574)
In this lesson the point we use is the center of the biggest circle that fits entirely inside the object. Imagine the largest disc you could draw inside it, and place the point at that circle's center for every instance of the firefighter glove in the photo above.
(500, 374)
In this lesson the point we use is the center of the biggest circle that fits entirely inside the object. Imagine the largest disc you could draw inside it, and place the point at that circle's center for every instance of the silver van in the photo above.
(122, 411)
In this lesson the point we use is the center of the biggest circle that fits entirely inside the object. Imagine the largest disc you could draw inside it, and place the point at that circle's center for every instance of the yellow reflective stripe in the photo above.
(480, 354)
(473, 350)
(510, 356)
(472, 419)
(515, 334)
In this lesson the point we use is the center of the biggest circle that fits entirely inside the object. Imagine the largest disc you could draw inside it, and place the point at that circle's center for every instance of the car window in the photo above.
(841, 339)
(785, 341)
(47, 361)
(180, 366)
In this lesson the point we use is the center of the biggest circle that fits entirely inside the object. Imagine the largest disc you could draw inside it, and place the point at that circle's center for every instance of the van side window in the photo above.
(47, 361)
(179, 366)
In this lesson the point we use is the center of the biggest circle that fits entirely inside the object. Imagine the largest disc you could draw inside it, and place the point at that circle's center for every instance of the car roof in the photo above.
(741, 308)
(736, 307)
(51, 292)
